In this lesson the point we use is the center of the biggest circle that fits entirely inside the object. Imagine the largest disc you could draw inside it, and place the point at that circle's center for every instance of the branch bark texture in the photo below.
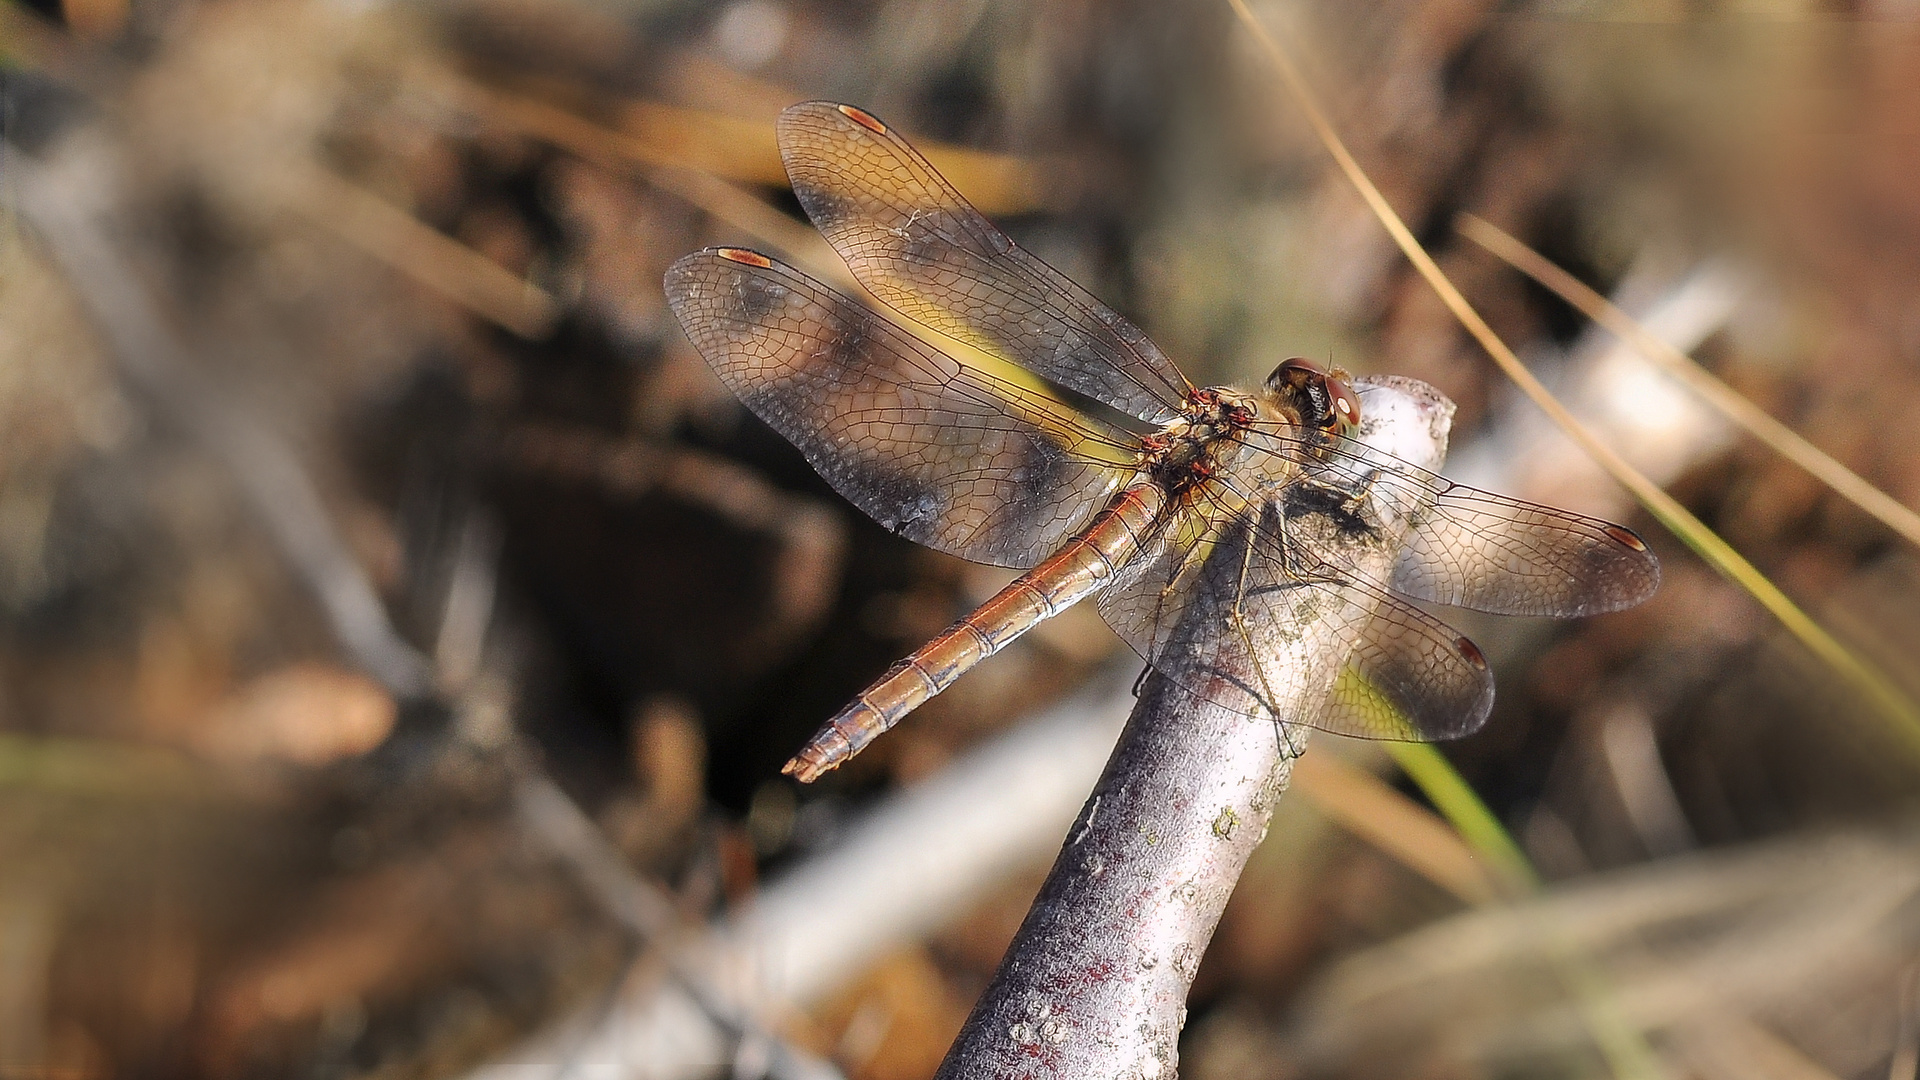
(1095, 983)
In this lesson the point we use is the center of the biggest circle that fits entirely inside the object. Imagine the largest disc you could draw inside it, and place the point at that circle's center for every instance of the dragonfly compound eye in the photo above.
(1323, 400)
(1344, 411)
(1295, 374)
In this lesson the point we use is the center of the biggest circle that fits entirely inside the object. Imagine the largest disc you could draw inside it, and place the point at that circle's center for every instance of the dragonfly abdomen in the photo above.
(1080, 568)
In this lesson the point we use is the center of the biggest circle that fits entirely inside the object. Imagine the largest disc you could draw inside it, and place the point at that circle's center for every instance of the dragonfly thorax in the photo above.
(1188, 448)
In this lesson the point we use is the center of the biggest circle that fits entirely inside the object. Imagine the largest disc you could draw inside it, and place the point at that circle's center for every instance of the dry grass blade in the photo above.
(1626, 1051)
(743, 150)
(1887, 698)
(666, 169)
(101, 769)
(1699, 948)
(729, 147)
(439, 262)
(1360, 803)
(1757, 422)
(1462, 808)
(1732, 1047)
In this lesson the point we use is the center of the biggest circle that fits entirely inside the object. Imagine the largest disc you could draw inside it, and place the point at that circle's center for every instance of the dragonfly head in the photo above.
(1321, 398)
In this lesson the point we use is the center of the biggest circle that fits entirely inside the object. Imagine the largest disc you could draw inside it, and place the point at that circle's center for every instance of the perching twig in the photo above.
(1095, 983)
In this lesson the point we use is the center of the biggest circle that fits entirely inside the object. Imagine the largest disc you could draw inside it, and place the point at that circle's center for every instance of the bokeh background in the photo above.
(401, 630)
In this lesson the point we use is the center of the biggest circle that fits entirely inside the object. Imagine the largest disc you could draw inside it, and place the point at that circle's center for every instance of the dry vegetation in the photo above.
(305, 303)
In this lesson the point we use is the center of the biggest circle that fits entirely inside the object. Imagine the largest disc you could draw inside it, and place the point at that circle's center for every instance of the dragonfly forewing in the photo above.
(920, 247)
(1469, 548)
(942, 453)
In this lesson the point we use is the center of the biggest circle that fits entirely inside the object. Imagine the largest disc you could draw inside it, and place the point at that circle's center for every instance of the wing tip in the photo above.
(680, 279)
(1644, 574)
(1639, 553)
(1470, 653)
(821, 109)
(1475, 715)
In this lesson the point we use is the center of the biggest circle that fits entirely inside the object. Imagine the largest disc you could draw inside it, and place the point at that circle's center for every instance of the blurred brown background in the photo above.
(356, 487)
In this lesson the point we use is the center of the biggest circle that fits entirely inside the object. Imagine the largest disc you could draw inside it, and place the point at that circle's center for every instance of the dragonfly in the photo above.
(1008, 417)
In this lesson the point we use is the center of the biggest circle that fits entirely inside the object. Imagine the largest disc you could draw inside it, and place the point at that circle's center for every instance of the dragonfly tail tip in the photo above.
(804, 770)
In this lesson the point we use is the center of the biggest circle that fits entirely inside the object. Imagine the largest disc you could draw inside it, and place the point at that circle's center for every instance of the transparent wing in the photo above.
(1474, 549)
(931, 448)
(1486, 552)
(924, 251)
(1231, 610)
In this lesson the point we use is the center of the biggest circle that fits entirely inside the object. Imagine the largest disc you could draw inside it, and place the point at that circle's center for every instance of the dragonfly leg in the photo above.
(1197, 553)
(1358, 498)
(1237, 617)
(1140, 680)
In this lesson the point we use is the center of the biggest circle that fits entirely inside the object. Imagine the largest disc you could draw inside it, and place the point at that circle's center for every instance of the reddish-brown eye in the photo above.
(1298, 363)
(1325, 390)
(1344, 406)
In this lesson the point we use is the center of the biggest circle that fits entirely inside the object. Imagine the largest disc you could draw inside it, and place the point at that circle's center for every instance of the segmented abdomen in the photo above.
(1079, 569)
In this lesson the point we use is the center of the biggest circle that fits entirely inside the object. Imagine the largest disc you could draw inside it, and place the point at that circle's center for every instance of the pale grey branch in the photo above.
(1095, 983)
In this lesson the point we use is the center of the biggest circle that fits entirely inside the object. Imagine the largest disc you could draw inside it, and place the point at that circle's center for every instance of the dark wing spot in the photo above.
(850, 345)
(864, 118)
(828, 209)
(1626, 538)
(742, 255)
(897, 500)
(1470, 653)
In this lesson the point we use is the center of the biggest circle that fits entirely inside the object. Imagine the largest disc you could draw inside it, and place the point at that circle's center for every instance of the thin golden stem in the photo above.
(1900, 711)
(1755, 420)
